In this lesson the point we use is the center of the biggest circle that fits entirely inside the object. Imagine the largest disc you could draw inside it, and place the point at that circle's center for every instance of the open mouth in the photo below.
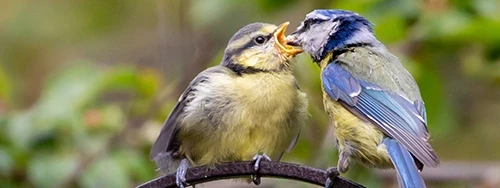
(281, 44)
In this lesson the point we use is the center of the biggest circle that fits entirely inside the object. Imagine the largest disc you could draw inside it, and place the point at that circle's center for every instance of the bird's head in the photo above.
(259, 47)
(325, 31)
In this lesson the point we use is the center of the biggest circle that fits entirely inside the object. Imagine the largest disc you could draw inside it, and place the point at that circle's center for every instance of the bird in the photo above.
(248, 108)
(378, 114)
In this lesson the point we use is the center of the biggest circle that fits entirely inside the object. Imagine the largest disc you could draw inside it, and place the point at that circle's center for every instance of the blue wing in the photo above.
(394, 115)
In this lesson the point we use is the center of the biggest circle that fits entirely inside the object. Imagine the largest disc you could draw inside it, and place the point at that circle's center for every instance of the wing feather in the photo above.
(167, 140)
(393, 114)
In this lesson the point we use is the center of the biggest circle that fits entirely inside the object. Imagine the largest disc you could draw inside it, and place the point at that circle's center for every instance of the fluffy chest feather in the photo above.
(265, 93)
(250, 114)
(266, 106)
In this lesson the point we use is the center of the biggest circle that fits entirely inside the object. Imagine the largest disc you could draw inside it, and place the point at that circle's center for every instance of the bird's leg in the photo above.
(180, 176)
(342, 166)
(343, 163)
(257, 159)
(331, 173)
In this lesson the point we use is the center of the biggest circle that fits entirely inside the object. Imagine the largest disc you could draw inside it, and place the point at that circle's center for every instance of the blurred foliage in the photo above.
(86, 85)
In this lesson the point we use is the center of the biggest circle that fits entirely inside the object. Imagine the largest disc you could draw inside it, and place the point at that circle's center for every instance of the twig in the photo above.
(197, 175)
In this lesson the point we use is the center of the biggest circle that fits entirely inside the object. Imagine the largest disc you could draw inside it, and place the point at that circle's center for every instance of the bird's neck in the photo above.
(239, 69)
(335, 53)
(361, 37)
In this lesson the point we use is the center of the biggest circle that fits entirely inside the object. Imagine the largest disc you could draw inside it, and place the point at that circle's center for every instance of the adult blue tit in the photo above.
(247, 108)
(373, 101)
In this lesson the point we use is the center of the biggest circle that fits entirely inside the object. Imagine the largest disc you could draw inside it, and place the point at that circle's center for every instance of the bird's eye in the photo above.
(306, 24)
(259, 40)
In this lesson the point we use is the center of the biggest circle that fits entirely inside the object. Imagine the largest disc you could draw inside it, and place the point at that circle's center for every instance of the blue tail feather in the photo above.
(408, 175)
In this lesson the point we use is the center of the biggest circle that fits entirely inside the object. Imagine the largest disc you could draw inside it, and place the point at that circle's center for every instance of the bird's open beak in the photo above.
(281, 44)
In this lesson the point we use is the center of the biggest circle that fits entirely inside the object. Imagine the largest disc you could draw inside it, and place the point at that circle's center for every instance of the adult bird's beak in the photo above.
(281, 43)
(292, 40)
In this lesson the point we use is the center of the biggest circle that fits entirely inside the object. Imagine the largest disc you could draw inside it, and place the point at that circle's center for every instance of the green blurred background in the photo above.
(85, 85)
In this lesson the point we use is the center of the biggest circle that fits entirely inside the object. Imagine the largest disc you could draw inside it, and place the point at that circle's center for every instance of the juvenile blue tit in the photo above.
(247, 108)
(374, 103)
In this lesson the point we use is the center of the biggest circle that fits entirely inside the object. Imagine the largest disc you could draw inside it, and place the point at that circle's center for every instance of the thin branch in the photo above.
(197, 175)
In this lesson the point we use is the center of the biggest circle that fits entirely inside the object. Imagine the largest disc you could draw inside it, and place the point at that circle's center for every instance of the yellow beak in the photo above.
(280, 42)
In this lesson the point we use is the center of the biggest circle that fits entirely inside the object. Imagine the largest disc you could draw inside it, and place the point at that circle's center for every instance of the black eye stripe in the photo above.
(265, 37)
(268, 36)
(247, 45)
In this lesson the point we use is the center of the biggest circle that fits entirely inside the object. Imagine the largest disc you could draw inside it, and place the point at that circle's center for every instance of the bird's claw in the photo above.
(331, 174)
(257, 159)
(180, 176)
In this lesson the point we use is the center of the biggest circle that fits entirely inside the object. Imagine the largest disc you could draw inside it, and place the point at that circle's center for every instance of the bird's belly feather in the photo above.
(361, 140)
(256, 119)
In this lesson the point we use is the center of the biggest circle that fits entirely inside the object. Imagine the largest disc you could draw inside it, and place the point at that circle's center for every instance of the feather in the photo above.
(408, 175)
(166, 141)
(393, 114)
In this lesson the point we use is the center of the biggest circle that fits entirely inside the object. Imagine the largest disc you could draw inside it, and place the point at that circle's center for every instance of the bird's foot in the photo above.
(180, 177)
(331, 174)
(257, 159)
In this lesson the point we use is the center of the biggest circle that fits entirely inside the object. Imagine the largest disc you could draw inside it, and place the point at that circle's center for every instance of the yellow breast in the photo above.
(360, 139)
(271, 112)
(270, 94)
(266, 112)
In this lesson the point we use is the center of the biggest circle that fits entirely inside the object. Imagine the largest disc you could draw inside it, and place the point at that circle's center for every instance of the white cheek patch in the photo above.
(252, 61)
(250, 58)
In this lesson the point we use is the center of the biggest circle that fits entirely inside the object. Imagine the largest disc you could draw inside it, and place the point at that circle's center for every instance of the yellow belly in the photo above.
(267, 115)
(359, 139)
(237, 144)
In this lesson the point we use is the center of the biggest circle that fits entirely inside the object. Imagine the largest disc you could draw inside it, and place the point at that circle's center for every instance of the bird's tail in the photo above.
(166, 163)
(408, 175)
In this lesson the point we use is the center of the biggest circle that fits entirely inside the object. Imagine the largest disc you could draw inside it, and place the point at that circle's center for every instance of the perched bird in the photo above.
(373, 101)
(244, 109)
